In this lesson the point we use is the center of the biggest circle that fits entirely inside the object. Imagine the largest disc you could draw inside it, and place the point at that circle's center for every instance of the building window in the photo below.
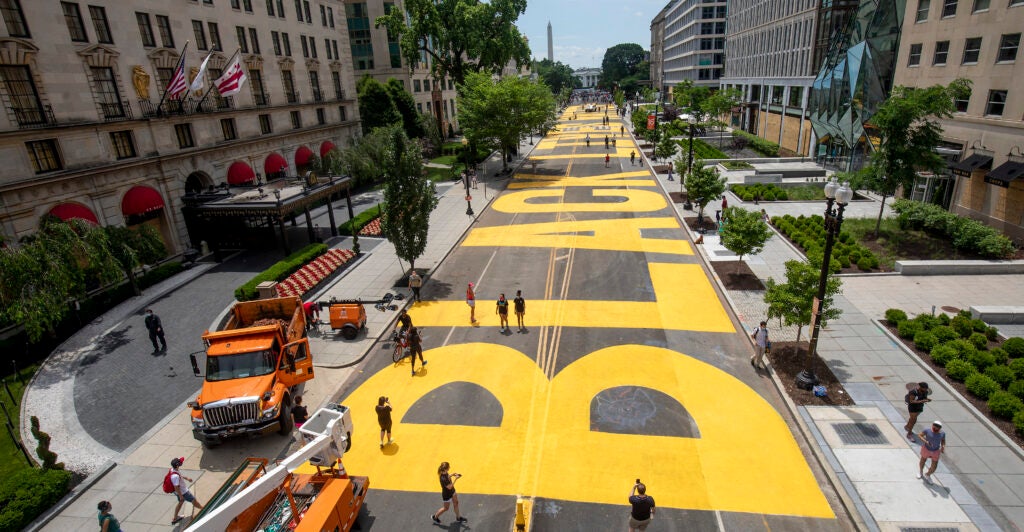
(922, 10)
(327, 46)
(426, 85)
(305, 46)
(314, 83)
(996, 103)
(980, 5)
(275, 39)
(164, 24)
(99, 21)
(73, 18)
(266, 127)
(914, 59)
(972, 49)
(415, 85)
(200, 31)
(961, 103)
(236, 4)
(270, 8)
(255, 40)
(296, 120)
(941, 52)
(259, 92)
(287, 42)
(330, 17)
(1015, 3)
(44, 155)
(358, 20)
(323, 15)
(334, 45)
(14, 18)
(312, 47)
(163, 77)
(243, 45)
(305, 8)
(24, 98)
(796, 96)
(184, 134)
(419, 107)
(124, 146)
(145, 29)
(336, 80)
(949, 8)
(215, 37)
(341, 113)
(227, 126)
(1008, 45)
(247, 4)
(321, 116)
(105, 86)
(288, 82)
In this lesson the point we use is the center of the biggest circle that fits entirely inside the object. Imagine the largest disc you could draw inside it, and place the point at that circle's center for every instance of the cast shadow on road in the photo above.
(107, 344)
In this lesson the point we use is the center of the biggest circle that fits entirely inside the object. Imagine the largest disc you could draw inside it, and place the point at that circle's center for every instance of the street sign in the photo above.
(469, 198)
(650, 121)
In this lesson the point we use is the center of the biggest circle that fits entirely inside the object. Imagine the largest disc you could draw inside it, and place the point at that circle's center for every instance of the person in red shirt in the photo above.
(471, 301)
(312, 314)
(607, 158)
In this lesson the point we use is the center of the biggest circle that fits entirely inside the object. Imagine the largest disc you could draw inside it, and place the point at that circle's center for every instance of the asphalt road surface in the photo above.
(629, 367)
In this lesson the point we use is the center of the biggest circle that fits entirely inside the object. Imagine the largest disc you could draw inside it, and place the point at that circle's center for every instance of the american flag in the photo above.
(231, 81)
(178, 84)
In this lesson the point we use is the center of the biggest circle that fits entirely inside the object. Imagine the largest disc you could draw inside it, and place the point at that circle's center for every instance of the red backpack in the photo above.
(168, 485)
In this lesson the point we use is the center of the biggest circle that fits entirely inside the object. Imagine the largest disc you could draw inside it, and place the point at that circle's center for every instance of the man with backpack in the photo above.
(173, 484)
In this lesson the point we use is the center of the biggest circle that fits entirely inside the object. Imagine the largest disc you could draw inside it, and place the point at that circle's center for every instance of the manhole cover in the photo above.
(951, 310)
(860, 434)
(928, 529)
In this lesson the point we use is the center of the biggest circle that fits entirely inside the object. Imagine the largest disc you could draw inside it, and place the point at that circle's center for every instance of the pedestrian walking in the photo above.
(520, 306)
(416, 349)
(415, 283)
(934, 444)
(471, 301)
(180, 490)
(448, 495)
(613, 142)
(473, 181)
(588, 140)
(632, 157)
(915, 400)
(606, 142)
(312, 312)
(384, 419)
(760, 336)
(725, 203)
(156, 331)
(108, 523)
(622, 131)
(501, 309)
(299, 412)
(607, 159)
(642, 511)
(670, 172)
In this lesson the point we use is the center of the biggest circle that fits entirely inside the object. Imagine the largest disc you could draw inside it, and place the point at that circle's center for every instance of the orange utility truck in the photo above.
(253, 365)
(309, 491)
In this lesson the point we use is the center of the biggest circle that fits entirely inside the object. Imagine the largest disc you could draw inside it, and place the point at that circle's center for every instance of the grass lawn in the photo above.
(894, 243)
(11, 459)
(438, 175)
(446, 160)
(808, 193)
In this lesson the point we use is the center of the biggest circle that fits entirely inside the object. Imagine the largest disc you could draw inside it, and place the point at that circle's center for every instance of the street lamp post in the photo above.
(835, 194)
(691, 121)
(465, 178)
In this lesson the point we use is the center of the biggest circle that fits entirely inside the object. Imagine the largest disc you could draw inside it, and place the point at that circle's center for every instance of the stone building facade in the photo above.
(86, 133)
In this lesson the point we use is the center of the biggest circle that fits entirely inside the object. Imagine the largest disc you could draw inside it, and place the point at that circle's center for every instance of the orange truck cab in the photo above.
(252, 365)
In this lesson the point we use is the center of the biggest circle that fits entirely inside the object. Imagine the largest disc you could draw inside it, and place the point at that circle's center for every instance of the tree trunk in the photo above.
(133, 281)
(798, 330)
(878, 222)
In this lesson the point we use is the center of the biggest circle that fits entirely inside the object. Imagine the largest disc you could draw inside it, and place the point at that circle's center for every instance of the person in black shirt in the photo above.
(915, 400)
(156, 330)
(404, 322)
(643, 507)
(384, 419)
(415, 349)
(520, 305)
(299, 413)
(448, 495)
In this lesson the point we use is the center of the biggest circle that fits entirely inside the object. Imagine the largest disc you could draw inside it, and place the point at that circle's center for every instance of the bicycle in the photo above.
(401, 341)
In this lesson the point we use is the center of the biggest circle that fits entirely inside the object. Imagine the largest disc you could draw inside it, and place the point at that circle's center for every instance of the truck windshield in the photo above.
(239, 366)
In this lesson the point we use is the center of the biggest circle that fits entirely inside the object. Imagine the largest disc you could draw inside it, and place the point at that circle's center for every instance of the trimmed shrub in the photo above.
(960, 369)
(1014, 347)
(965, 234)
(864, 263)
(909, 329)
(992, 334)
(280, 271)
(1001, 374)
(758, 144)
(1017, 389)
(999, 355)
(1018, 421)
(1004, 404)
(360, 220)
(925, 341)
(944, 319)
(981, 359)
(944, 333)
(27, 493)
(942, 354)
(927, 321)
(981, 385)
(964, 349)
(979, 341)
(962, 326)
(895, 316)
(1017, 365)
(979, 326)
(965, 313)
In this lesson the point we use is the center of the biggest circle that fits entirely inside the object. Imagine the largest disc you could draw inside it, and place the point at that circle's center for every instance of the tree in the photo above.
(703, 185)
(717, 105)
(791, 302)
(556, 76)
(376, 108)
(908, 128)
(620, 62)
(746, 232)
(665, 146)
(502, 112)
(691, 98)
(406, 107)
(132, 248)
(409, 195)
(459, 36)
(360, 158)
(433, 140)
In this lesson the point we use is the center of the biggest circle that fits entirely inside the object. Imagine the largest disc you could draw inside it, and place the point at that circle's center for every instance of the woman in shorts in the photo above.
(448, 495)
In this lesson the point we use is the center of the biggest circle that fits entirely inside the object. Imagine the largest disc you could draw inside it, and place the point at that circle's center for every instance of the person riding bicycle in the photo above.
(404, 323)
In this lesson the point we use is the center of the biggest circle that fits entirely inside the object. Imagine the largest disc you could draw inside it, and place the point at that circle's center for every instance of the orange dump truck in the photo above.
(253, 364)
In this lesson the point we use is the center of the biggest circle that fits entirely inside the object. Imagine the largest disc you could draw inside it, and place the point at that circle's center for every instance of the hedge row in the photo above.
(962, 346)
(758, 144)
(354, 225)
(701, 150)
(964, 233)
(280, 271)
(761, 191)
(809, 234)
(27, 493)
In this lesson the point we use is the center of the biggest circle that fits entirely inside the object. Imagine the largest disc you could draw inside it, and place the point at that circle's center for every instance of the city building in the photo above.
(376, 53)
(978, 40)
(658, 47)
(87, 132)
(693, 46)
(588, 76)
(775, 50)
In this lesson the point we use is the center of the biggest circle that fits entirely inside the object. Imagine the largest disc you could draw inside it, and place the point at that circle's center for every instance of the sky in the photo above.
(584, 29)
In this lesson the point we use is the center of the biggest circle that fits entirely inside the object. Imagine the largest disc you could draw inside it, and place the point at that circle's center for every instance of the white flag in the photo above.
(197, 83)
(230, 83)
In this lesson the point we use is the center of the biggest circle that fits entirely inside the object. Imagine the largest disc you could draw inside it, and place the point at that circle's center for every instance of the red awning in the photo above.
(140, 200)
(67, 211)
(325, 147)
(274, 164)
(302, 156)
(240, 173)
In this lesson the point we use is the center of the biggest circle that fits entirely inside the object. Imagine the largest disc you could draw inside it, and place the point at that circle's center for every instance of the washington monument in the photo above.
(551, 46)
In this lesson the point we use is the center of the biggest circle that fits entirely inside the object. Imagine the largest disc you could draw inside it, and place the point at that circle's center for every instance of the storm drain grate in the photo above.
(860, 434)
(928, 529)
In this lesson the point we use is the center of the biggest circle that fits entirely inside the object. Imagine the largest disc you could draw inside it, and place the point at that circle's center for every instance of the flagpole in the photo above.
(207, 93)
(181, 61)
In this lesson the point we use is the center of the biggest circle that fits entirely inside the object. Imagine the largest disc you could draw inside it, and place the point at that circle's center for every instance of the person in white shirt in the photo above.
(760, 336)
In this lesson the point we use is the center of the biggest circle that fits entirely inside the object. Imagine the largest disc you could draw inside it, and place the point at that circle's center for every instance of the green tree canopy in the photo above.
(502, 112)
(620, 62)
(665, 147)
(409, 196)
(132, 248)
(406, 107)
(556, 76)
(459, 36)
(376, 108)
(791, 302)
(746, 232)
(360, 159)
(718, 104)
(703, 185)
(691, 98)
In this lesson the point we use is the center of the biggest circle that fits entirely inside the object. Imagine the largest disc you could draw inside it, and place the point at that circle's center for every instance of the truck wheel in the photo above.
(286, 421)
(349, 333)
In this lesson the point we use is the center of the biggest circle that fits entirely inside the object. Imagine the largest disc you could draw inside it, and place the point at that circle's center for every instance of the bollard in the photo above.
(522, 511)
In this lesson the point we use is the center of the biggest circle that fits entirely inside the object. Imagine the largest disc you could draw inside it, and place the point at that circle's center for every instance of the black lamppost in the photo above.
(834, 194)
(691, 121)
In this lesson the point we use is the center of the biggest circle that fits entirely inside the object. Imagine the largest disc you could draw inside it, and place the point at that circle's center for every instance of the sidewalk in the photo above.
(980, 479)
(132, 481)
